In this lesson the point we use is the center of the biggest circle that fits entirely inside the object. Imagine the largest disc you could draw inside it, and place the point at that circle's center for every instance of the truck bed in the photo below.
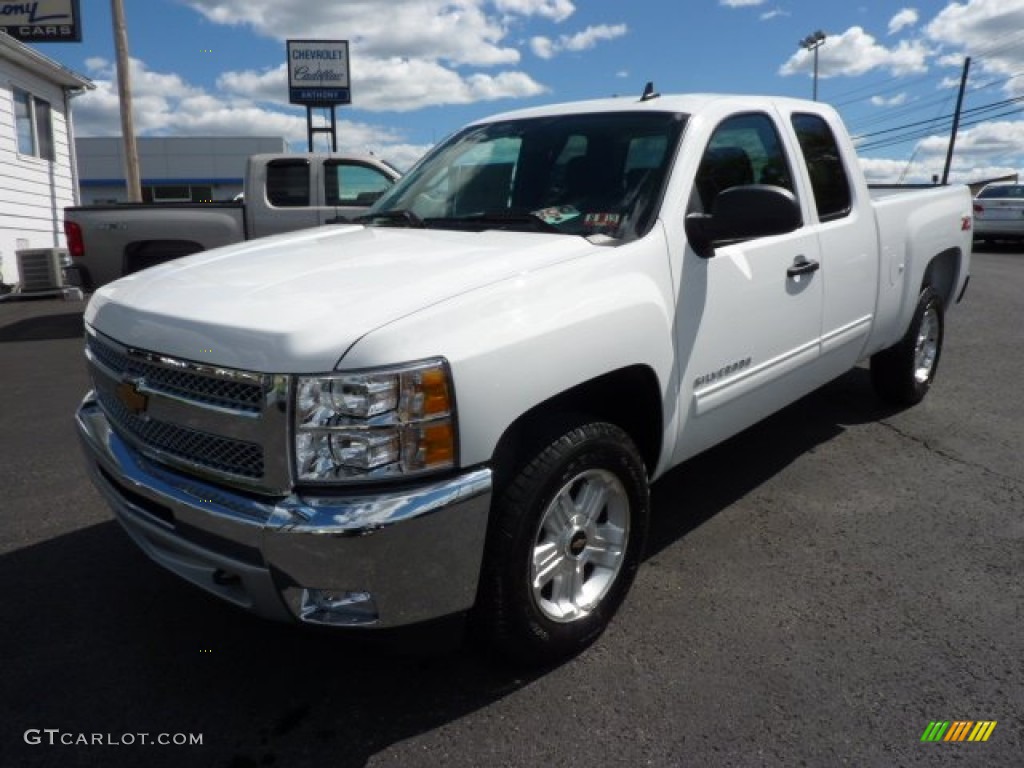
(123, 238)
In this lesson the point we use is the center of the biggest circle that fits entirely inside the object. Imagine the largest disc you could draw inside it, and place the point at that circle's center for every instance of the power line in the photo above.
(912, 131)
(924, 134)
(993, 105)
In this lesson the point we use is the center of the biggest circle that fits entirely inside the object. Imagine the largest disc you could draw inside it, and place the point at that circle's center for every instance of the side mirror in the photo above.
(743, 213)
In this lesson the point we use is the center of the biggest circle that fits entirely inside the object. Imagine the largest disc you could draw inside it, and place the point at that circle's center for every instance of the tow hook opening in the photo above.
(338, 607)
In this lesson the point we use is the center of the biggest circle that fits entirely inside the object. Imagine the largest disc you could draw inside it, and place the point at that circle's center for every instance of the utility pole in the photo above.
(132, 177)
(956, 120)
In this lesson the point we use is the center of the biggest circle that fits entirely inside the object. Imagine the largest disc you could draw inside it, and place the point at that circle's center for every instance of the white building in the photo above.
(37, 164)
(173, 168)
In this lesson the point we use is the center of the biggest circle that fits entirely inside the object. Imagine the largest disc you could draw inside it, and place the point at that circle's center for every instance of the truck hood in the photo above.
(295, 303)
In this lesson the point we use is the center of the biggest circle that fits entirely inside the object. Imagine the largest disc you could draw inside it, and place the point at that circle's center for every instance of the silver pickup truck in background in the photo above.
(281, 193)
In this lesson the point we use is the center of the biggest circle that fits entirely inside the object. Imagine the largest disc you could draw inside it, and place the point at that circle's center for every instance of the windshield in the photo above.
(589, 174)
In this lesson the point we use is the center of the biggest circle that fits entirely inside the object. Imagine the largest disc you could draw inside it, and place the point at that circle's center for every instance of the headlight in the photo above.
(361, 426)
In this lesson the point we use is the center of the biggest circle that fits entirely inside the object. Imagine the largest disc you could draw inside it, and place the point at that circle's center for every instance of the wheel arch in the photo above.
(639, 415)
(942, 273)
(141, 254)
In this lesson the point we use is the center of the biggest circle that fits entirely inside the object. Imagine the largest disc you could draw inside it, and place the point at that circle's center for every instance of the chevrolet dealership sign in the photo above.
(318, 72)
(42, 21)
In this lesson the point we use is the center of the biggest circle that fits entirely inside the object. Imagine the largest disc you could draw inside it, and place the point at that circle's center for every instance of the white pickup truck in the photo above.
(282, 193)
(457, 407)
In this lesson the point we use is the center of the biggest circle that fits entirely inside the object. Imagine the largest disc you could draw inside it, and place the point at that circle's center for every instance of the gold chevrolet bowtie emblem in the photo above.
(129, 395)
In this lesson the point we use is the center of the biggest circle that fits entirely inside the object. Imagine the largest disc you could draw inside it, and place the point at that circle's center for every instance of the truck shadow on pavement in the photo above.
(44, 328)
(96, 639)
(694, 492)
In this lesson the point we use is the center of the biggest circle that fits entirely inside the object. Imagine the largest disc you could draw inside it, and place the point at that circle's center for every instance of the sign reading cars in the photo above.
(318, 72)
(42, 21)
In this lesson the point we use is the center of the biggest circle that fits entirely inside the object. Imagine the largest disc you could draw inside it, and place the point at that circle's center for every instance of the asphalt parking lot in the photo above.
(816, 592)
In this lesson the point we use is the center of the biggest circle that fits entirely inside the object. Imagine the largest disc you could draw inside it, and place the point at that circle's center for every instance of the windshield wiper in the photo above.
(500, 218)
(400, 215)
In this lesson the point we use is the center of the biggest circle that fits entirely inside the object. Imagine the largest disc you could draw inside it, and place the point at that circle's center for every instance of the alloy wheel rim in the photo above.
(927, 347)
(580, 545)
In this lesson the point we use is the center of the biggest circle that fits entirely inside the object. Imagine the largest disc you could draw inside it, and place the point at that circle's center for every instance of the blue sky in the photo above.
(422, 68)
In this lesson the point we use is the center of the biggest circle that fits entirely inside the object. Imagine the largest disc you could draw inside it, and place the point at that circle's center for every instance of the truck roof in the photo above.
(688, 103)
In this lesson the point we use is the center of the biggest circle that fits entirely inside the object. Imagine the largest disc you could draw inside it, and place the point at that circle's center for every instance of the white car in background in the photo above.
(999, 212)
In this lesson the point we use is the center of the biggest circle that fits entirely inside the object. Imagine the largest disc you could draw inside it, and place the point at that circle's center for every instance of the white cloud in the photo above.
(590, 36)
(984, 151)
(395, 85)
(556, 10)
(892, 101)
(543, 47)
(920, 170)
(888, 171)
(740, 3)
(991, 30)
(546, 48)
(981, 23)
(855, 52)
(906, 18)
(461, 32)
(994, 142)
(164, 105)
(773, 14)
(405, 55)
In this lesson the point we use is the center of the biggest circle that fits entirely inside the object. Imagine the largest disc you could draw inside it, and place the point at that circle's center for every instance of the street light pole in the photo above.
(812, 43)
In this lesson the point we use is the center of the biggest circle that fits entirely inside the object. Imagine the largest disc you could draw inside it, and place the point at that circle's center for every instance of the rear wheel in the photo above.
(565, 544)
(903, 373)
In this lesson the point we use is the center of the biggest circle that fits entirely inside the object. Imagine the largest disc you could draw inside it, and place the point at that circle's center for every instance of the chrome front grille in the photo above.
(226, 393)
(221, 454)
(211, 422)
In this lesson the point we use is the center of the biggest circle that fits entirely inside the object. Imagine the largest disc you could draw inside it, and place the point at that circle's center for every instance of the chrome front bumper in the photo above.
(384, 559)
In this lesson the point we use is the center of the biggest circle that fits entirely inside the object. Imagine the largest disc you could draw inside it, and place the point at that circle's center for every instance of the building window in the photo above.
(34, 125)
(177, 193)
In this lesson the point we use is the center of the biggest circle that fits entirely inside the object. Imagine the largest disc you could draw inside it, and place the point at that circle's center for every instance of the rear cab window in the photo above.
(288, 183)
(829, 179)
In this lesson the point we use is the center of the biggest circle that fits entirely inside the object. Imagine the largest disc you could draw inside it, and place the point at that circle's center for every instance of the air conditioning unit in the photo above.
(42, 269)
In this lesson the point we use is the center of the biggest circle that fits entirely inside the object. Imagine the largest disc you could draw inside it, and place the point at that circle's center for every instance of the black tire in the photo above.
(903, 373)
(555, 573)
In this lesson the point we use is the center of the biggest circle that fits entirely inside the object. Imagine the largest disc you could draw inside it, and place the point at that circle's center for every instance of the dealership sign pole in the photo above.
(318, 76)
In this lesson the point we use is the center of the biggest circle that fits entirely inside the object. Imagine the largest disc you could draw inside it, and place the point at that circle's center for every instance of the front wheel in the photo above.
(903, 373)
(565, 543)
